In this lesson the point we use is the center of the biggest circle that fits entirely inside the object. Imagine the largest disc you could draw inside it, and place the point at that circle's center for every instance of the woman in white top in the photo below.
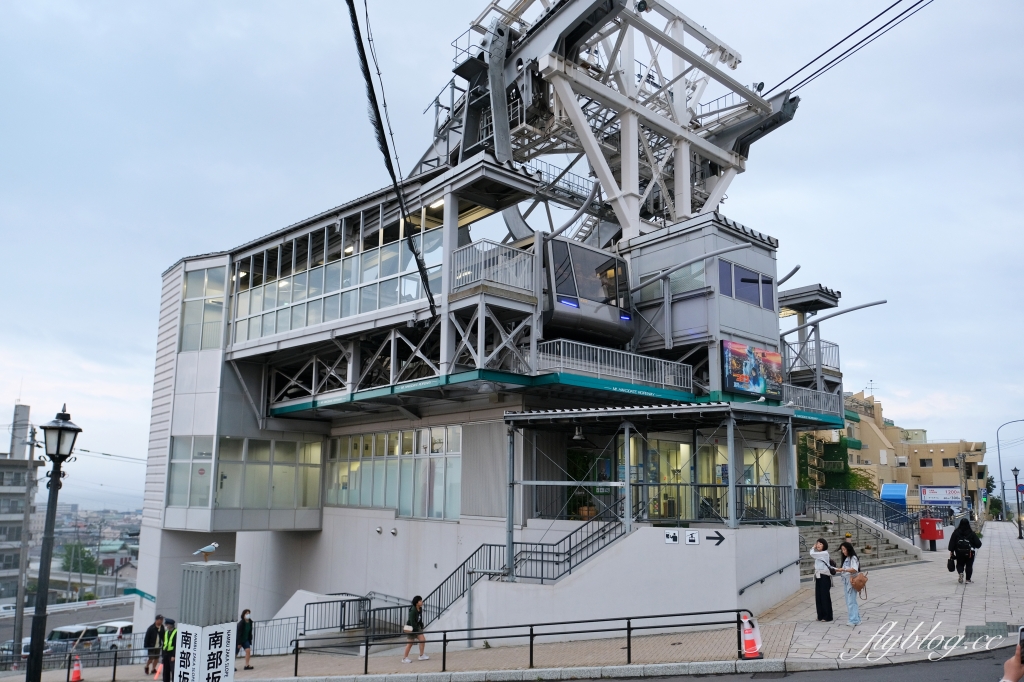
(822, 580)
(850, 568)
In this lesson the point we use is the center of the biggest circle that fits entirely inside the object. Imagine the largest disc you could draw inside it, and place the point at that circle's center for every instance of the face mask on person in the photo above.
(248, 617)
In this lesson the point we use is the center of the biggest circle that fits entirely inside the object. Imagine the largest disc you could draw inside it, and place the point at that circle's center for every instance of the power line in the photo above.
(107, 455)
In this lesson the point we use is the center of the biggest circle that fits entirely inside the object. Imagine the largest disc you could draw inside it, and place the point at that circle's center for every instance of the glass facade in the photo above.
(333, 272)
(190, 471)
(746, 285)
(253, 473)
(416, 472)
(202, 309)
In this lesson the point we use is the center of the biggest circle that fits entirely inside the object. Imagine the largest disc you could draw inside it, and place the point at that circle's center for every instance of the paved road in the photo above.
(86, 614)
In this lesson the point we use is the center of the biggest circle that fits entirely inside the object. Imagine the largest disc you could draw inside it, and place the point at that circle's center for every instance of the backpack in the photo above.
(963, 546)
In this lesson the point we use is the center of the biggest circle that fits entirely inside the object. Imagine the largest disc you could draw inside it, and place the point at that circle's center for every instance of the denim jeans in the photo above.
(852, 609)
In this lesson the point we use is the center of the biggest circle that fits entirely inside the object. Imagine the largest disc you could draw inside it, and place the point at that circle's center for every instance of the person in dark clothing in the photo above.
(822, 580)
(170, 646)
(414, 629)
(153, 641)
(962, 543)
(244, 638)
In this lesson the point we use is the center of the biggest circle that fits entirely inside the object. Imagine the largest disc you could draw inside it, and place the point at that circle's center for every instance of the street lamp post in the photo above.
(1016, 491)
(999, 455)
(60, 435)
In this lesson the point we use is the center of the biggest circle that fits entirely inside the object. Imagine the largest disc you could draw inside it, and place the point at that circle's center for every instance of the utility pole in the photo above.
(23, 562)
(96, 565)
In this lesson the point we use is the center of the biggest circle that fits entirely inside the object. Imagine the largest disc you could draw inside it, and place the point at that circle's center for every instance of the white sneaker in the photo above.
(424, 658)
(406, 660)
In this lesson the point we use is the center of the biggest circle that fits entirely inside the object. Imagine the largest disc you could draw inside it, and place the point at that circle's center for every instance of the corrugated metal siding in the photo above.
(163, 390)
(209, 593)
(551, 466)
(484, 470)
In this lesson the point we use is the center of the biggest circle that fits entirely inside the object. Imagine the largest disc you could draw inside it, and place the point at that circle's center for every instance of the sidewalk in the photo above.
(906, 595)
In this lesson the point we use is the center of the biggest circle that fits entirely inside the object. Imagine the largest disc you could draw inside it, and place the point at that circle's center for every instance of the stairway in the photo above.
(883, 551)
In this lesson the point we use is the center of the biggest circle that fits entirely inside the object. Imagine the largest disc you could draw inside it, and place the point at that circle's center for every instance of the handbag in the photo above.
(859, 583)
(950, 565)
(406, 628)
(832, 566)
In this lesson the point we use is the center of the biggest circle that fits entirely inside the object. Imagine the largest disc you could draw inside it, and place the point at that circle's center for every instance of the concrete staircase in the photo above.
(883, 551)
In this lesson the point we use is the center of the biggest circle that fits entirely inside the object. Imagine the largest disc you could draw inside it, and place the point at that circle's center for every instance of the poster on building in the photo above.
(944, 495)
(752, 370)
(205, 654)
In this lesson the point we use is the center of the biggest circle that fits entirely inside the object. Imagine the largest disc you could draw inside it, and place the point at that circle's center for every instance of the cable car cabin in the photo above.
(588, 294)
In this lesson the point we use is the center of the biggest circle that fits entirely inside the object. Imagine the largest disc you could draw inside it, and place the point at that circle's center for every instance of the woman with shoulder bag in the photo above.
(823, 573)
(849, 569)
(414, 629)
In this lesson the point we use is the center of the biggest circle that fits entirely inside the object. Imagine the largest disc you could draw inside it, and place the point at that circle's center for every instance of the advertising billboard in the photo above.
(946, 495)
(751, 370)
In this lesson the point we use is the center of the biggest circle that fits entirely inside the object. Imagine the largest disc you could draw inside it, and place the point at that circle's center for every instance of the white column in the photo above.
(627, 489)
(681, 147)
(450, 242)
(629, 140)
(734, 470)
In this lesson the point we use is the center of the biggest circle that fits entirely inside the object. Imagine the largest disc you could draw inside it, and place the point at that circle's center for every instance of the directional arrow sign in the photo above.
(718, 540)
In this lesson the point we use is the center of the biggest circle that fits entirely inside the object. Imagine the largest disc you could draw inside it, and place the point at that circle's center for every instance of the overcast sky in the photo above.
(132, 134)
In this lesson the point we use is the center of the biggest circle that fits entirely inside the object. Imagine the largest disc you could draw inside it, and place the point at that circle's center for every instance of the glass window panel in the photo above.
(254, 327)
(407, 439)
(230, 449)
(284, 291)
(241, 304)
(241, 332)
(391, 493)
(410, 288)
(437, 439)
(314, 312)
(332, 307)
(202, 447)
(309, 487)
(213, 313)
(366, 449)
(349, 303)
(181, 448)
(379, 446)
(746, 285)
(194, 283)
(316, 248)
(309, 453)
(270, 275)
(332, 277)
(453, 488)
(192, 325)
(366, 484)
(285, 451)
(405, 488)
(287, 254)
(199, 492)
(283, 320)
(371, 228)
(258, 451)
(767, 293)
(299, 316)
(407, 261)
(350, 272)
(724, 278)
(256, 299)
(436, 487)
(354, 470)
(299, 287)
(434, 280)
(301, 253)
(368, 298)
(215, 281)
(257, 270)
(270, 296)
(315, 287)
(378, 482)
(242, 267)
(454, 439)
(177, 485)
(394, 443)
(333, 244)
(341, 481)
(282, 494)
(595, 275)
(391, 233)
(389, 260)
(369, 266)
(350, 228)
(388, 293)
(257, 486)
(421, 488)
(229, 485)
(423, 441)
(432, 248)
(623, 277)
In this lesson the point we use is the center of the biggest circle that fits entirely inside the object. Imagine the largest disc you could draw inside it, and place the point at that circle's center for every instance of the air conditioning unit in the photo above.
(867, 461)
(901, 461)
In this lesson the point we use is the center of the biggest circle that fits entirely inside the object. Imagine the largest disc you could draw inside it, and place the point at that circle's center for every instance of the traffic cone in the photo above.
(76, 672)
(749, 644)
(159, 670)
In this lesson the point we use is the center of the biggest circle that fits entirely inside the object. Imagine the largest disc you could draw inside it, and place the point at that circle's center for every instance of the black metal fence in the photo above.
(550, 561)
(275, 637)
(94, 658)
(338, 614)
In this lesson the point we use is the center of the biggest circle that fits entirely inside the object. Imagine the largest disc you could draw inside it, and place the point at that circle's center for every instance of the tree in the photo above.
(990, 485)
(995, 506)
(77, 558)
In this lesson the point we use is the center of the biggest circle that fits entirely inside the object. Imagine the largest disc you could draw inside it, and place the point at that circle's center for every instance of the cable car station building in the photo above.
(342, 420)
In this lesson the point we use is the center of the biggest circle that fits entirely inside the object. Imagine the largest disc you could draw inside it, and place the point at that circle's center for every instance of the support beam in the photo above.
(791, 470)
(627, 494)
(718, 193)
(450, 242)
(510, 559)
(733, 469)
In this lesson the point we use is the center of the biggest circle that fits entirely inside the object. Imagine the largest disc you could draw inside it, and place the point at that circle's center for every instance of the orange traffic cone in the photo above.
(749, 645)
(76, 672)
(159, 670)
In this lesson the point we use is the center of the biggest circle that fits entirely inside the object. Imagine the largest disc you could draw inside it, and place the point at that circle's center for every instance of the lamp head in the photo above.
(1015, 471)
(60, 435)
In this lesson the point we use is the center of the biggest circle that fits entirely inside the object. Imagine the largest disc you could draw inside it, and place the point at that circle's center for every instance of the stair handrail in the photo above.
(769, 575)
(850, 518)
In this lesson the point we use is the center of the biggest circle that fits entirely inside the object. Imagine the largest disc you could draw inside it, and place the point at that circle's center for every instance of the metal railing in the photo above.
(487, 261)
(528, 633)
(339, 614)
(812, 401)
(571, 356)
(566, 183)
(65, 660)
(760, 580)
(900, 521)
(803, 356)
(274, 637)
(686, 503)
(550, 561)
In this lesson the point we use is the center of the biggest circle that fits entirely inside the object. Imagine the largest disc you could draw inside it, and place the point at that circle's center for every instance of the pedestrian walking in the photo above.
(169, 648)
(822, 580)
(850, 568)
(244, 636)
(414, 629)
(962, 544)
(153, 642)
